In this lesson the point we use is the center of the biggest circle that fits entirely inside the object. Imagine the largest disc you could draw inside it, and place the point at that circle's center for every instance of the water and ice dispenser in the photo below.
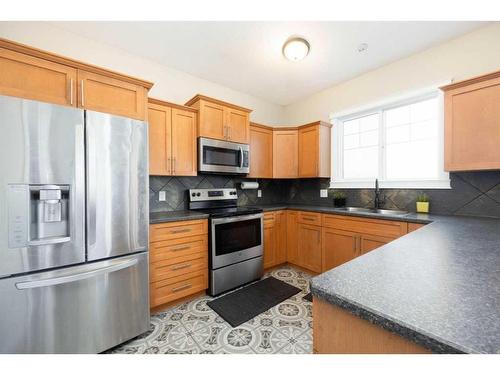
(38, 215)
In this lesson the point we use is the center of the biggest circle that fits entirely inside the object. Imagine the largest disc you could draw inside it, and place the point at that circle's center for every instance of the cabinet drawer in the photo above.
(178, 229)
(312, 218)
(385, 228)
(178, 266)
(269, 219)
(177, 287)
(163, 250)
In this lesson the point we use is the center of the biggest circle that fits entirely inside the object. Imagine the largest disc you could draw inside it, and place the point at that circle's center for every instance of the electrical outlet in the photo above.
(259, 193)
(162, 196)
(323, 193)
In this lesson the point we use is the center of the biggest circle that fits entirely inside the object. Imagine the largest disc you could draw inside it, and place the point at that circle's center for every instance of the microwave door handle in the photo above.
(241, 156)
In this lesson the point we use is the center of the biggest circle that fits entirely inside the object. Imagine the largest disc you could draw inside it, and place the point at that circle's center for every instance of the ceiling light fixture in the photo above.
(295, 49)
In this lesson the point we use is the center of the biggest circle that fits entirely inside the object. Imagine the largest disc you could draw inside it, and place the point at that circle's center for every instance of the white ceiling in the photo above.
(246, 56)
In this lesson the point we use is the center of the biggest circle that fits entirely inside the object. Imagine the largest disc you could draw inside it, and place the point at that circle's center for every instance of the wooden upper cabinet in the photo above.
(34, 78)
(30, 73)
(472, 124)
(104, 94)
(261, 151)
(238, 125)
(211, 120)
(221, 120)
(285, 153)
(172, 139)
(183, 142)
(314, 150)
(160, 130)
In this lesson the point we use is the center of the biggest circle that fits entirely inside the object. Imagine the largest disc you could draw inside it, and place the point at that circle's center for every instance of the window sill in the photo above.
(370, 184)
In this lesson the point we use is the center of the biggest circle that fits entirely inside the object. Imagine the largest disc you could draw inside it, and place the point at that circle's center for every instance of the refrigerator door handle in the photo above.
(75, 277)
(91, 188)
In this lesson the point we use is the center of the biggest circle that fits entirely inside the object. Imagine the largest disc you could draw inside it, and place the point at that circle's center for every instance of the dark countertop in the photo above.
(412, 217)
(438, 286)
(168, 216)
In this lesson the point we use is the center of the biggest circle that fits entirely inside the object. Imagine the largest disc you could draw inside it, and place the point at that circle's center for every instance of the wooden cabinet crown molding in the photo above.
(471, 81)
(49, 56)
(172, 105)
(199, 97)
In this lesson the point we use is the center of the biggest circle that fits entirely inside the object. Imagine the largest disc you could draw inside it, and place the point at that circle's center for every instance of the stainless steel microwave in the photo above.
(223, 157)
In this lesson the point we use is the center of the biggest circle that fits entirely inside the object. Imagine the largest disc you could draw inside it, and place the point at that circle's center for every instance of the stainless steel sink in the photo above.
(356, 209)
(373, 210)
(390, 212)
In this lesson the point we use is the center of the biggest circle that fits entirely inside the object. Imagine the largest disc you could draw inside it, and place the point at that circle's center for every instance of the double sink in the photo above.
(379, 211)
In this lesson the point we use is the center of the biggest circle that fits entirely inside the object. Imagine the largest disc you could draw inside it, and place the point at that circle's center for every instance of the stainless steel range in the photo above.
(236, 238)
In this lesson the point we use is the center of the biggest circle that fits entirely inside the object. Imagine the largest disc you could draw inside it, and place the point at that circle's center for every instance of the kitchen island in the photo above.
(433, 290)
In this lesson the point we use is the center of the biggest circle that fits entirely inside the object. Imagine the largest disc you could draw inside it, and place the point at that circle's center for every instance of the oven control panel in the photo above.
(196, 195)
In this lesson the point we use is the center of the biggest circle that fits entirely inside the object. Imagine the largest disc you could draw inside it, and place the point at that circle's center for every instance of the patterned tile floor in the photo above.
(192, 327)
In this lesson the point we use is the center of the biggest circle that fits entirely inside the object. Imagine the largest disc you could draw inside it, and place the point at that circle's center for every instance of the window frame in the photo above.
(337, 153)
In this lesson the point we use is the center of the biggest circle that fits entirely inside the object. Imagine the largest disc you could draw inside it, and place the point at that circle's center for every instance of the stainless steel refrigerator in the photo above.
(73, 229)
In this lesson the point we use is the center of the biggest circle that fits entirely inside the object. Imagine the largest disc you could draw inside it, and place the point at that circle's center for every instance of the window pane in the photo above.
(397, 116)
(351, 127)
(361, 163)
(361, 142)
(412, 148)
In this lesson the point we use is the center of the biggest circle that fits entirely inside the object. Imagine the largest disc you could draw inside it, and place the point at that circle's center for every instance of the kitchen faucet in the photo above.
(378, 200)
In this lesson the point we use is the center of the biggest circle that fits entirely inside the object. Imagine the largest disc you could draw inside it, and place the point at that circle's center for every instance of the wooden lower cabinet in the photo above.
(269, 240)
(281, 238)
(368, 242)
(414, 226)
(309, 243)
(178, 260)
(338, 247)
(292, 246)
(336, 331)
(274, 238)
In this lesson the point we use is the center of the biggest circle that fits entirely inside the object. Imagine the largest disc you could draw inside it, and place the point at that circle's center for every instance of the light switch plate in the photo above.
(323, 193)
(259, 193)
(162, 196)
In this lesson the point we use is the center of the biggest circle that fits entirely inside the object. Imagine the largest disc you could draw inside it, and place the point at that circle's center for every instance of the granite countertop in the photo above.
(168, 216)
(438, 286)
(413, 217)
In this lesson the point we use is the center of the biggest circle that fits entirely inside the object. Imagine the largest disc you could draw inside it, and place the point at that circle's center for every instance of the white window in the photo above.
(399, 143)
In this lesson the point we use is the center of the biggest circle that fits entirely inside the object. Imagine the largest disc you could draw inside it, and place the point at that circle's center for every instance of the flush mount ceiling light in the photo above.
(295, 49)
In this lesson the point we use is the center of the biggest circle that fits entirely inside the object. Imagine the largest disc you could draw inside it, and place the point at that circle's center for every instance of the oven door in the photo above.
(222, 157)
(235, 239)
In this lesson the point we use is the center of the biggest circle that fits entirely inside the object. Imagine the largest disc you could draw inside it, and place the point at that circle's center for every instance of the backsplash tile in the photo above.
(273, 191)
(472, 193)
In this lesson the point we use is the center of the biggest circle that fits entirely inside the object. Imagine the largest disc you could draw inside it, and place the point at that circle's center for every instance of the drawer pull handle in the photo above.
(182, 287)
(181, 266)
(309, 218)
(180, 248)
(181, 230)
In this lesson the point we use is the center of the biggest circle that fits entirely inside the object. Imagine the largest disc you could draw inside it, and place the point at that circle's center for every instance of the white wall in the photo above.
(170, 84)
(472, 54)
